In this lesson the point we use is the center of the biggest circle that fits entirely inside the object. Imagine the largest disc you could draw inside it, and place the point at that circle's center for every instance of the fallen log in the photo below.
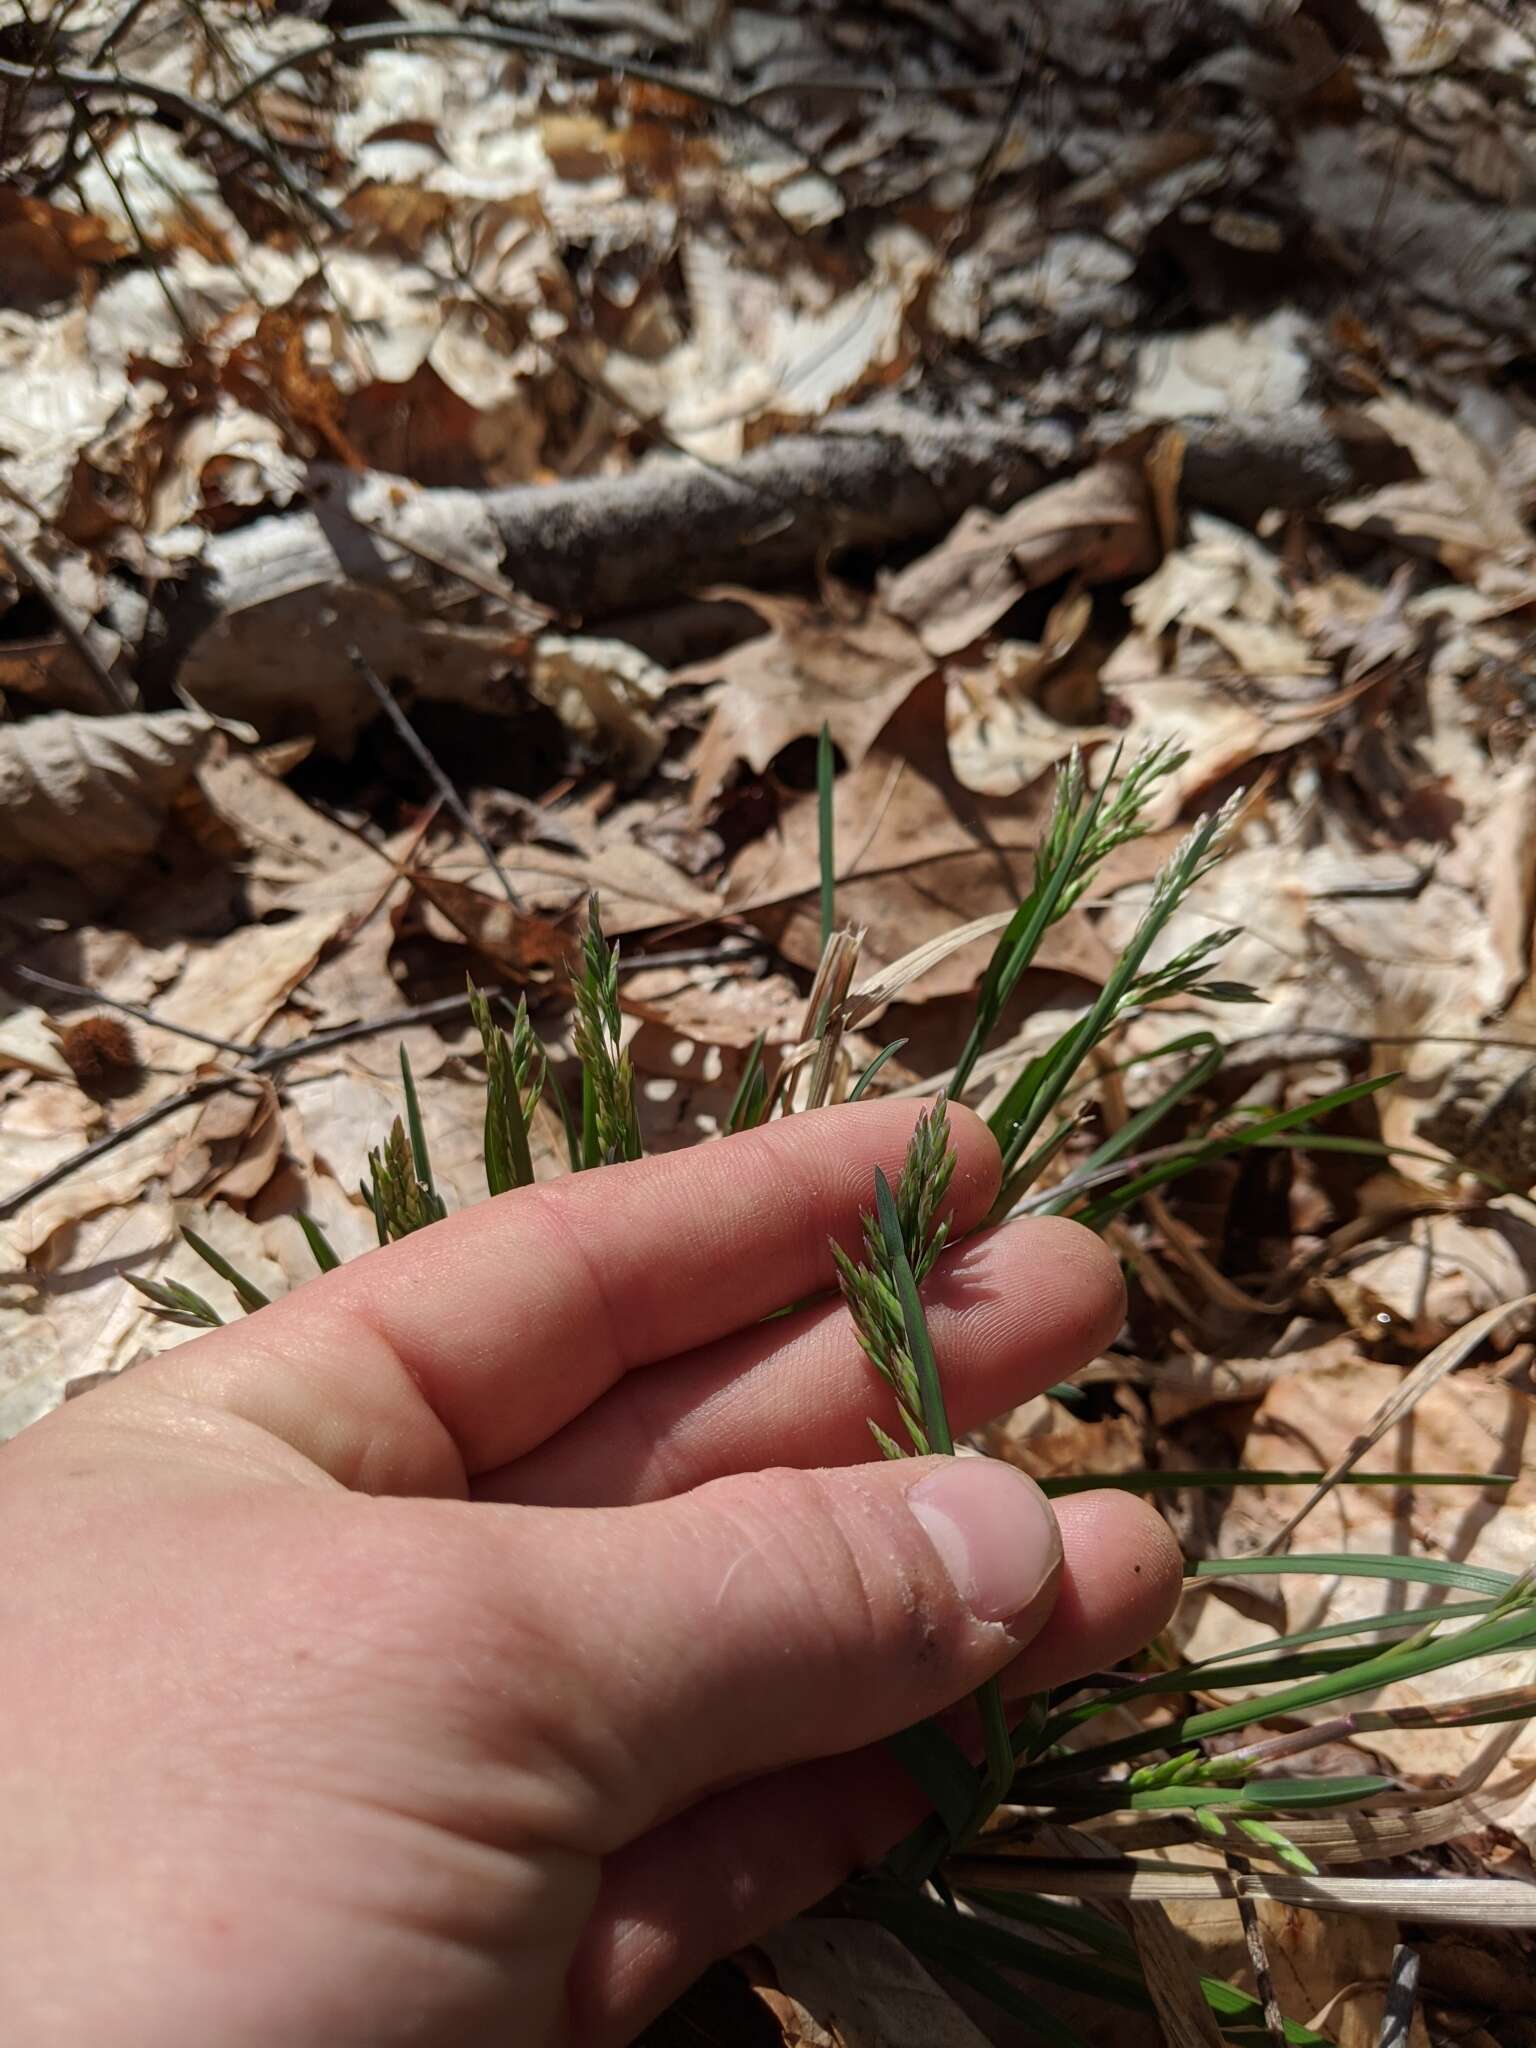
(260, 631)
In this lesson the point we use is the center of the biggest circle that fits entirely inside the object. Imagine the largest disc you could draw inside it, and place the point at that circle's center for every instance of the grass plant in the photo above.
(953, 1892)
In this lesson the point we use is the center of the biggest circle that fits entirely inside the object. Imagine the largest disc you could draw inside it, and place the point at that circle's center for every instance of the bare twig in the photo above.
(27, 571)
(168, 99)
(576, 56)
(1258, 1955)
(259, 1064)
(260, 1061)
(1402, 1998)
(441, 783)
(91, 995)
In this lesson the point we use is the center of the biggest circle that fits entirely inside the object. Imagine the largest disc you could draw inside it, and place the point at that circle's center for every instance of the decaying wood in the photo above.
(263, 630)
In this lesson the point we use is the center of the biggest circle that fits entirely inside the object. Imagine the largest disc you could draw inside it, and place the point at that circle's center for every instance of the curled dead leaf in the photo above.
(77, 790)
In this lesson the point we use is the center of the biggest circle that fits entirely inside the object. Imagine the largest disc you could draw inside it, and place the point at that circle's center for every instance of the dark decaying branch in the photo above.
(268, 618)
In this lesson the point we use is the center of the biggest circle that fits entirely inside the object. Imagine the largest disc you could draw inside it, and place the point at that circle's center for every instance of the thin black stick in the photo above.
(444, 787)
(26, 571)
(105, 1002)
(1402, 1998)
(577, 56)
(168, 100)
(262, 1061)
(1258, 1954)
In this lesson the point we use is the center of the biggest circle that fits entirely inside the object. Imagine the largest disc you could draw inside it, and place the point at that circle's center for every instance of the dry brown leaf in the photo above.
(285, 840)
(43, 248)
(639, 890)
(809, 668)
(1458, 508)
(232, 1148)
(1099, 523)
(77, 791)
(851, 1984)
(518, 942)
(1468, 1424)
(231, 987)
(28, 1040)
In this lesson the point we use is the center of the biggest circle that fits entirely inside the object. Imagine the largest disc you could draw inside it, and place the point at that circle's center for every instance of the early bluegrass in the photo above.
(951, 1892)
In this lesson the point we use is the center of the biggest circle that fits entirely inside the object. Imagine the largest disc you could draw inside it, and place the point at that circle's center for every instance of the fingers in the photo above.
(466, 1345)
(717, 1876)
(1120, 1582)
(720, 1875)
(1010, 1312)
(769, 1619)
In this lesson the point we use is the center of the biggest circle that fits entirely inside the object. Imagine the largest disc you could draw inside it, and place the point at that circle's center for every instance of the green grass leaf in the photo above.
(826, 770)
(247, 1293)
(319, 1244)
(177, 1303)
(885, 1053)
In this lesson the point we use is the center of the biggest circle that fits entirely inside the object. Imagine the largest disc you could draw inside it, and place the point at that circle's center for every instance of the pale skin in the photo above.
(472, 1646)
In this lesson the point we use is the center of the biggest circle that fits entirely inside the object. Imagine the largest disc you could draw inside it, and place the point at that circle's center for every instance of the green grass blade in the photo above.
(1388, 1667)
(885, 1053)
(941, 1768)
(179, 1304)
(420, 1158)
(1345, 1564)
(319, 1244)
(749, 1090)
(1391, 1621)
(247, 1292)
(826, 769)
(1217, 1477)
(1207, 1151)
(1019, 1183)
(1135, 1128)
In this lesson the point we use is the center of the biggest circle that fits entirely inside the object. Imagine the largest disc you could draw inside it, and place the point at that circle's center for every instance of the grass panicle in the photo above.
(872, 1286)
(1085, 827)
(902, 1240)
(610, 1123)
(515, 1071)
(1130, 985)
(400, 1200)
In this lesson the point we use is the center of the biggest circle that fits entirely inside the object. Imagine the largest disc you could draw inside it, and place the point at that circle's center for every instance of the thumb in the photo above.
(773, 1617)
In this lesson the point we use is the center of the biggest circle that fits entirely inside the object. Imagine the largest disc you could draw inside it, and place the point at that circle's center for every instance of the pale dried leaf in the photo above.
(850, 1984)
(1099, 523)
(1440, 1901)
(77, 791)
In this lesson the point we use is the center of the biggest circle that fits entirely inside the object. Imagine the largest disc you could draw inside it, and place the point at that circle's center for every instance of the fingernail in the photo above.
(994, 1532)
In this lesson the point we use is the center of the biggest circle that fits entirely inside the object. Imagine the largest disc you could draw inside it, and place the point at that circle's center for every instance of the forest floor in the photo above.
(632, 392)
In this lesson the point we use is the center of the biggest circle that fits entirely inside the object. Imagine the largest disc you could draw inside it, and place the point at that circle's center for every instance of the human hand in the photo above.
(428, 1659)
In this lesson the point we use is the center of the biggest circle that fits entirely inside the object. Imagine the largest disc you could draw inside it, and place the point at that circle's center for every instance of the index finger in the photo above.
(509, 1320)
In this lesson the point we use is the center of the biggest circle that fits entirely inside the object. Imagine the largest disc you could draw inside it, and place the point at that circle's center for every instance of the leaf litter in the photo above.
(1194, 359)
